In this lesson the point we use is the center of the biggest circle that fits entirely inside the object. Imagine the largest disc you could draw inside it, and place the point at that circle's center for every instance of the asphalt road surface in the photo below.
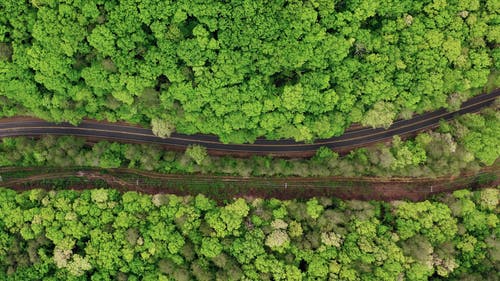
(349, 140)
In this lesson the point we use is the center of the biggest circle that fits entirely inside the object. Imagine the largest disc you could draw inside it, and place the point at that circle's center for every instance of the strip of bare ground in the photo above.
(223, 188)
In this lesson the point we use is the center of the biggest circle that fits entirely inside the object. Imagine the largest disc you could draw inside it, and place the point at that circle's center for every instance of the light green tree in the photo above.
(314, 209)
(162, 128)
(210, 247)
(381, 115)
(197, 153)
(278, 240)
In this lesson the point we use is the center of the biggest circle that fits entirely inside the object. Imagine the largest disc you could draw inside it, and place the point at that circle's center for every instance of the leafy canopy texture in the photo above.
(102, 234)
(244, 68)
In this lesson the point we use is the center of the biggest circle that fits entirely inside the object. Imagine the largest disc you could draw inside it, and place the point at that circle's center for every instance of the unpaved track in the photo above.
(223, 188)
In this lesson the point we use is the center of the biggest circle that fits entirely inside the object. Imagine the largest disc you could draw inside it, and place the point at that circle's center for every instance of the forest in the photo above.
(240, 70)
(101, 234)
(467, 143)
(244, 68)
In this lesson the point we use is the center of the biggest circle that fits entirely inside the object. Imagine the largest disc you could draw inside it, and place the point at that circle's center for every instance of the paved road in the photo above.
(351, 139)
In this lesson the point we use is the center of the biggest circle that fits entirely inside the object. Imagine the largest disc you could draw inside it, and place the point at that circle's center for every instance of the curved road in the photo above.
(350, 139)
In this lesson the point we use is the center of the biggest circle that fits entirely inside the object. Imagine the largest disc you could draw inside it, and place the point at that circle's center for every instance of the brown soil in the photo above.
(225, 188)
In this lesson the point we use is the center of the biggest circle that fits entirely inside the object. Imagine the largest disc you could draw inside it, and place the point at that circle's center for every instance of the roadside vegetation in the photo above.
(467, 143)
(243, 69)
(102, 234)
(240, 70)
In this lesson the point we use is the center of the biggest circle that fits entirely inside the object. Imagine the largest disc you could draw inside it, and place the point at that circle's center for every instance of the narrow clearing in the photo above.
(223, 188)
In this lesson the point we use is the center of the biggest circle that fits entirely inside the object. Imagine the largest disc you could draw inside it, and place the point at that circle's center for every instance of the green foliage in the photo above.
(448, 151)
(227, 220)
(278, 240)
(488, 199)
(104, 235)
(325, 153)
(162, 128)
(434, 221)
(197, 153)
(381, 115)
(407, 154)
(239, 70)
(482, 136)
(314, 210)
(210, 247)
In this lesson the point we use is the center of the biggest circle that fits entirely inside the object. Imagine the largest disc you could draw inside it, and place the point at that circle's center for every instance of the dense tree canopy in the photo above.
(244, 68)
(104, 235)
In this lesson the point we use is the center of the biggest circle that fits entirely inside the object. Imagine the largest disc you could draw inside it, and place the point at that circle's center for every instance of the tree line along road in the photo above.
(357, 137)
